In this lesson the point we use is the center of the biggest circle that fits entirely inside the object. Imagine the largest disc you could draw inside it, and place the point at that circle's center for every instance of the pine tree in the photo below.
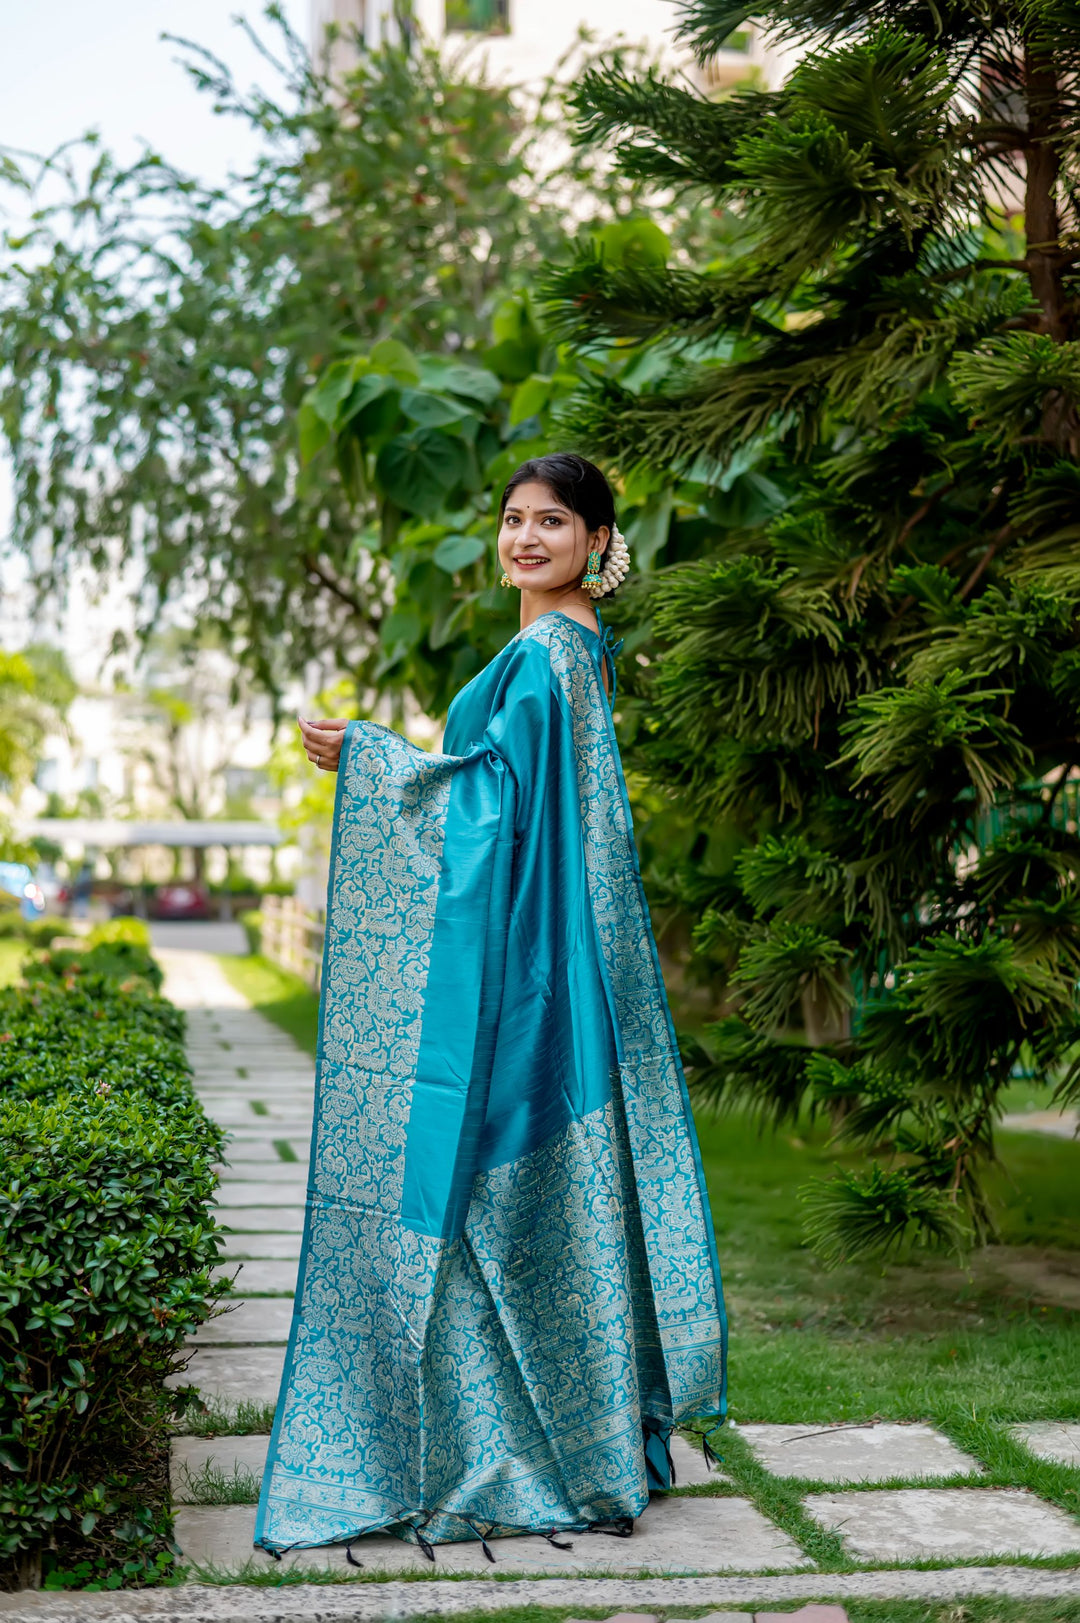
(881, 686)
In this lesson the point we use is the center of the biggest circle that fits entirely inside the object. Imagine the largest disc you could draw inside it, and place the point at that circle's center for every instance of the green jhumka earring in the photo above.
(591, 576)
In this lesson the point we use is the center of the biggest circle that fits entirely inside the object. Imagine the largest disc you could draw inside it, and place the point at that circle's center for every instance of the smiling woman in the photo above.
(509, 1292)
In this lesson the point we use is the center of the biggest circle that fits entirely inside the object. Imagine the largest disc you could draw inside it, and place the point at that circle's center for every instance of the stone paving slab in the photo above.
(204, 936)
(673, 1535)
(234, 1374)
(872, 1453)
(690, 1468)
(1059, 1123)
(1051, 1439)
(916, 1524)
(283, 1096)
(250, 1321)
(287, 1174)
(259, 1192)
(255, 1149)
(246, 1071)
(260, 1276)
(262, 1220)
(234, 1112)
(261, 1245)
(374, 1603)
(278, 1085)
(805, 1614)
(258, 1128)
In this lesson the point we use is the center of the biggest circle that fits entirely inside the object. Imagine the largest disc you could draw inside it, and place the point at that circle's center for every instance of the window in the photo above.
(47, 776)
(245, 783)
(477, 16)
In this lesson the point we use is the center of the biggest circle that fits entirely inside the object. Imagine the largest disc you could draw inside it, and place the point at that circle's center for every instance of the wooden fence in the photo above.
(293, 938)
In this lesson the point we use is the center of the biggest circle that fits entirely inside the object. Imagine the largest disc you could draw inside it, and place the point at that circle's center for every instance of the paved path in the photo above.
(1058, 1123)
(253, 1078)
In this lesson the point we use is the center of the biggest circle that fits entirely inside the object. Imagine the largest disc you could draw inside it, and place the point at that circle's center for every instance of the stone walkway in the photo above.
(254, 1079)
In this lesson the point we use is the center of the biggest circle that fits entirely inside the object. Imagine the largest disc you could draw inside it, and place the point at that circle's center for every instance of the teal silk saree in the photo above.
(508, 1291)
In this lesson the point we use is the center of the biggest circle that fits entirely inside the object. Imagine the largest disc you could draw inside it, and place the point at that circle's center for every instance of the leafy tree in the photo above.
(879, 687)
(157, 337)
(420, 443)
(36, 689)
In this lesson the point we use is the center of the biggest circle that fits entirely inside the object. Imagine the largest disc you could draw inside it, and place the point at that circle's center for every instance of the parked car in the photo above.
(181, 900)
(39, 891)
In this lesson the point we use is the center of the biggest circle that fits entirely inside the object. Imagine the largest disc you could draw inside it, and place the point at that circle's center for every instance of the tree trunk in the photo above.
(1044, 256)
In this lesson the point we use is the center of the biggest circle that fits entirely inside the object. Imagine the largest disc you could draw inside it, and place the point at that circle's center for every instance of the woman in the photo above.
(508, 1291)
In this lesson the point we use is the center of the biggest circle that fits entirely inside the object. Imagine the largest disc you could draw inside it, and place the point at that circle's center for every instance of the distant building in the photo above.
(523, 40)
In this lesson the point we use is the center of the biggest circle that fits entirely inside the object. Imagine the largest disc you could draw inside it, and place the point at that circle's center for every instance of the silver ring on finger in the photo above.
(318, 760)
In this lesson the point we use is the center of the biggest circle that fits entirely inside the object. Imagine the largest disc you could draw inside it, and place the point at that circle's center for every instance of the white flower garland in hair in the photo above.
(616, 565)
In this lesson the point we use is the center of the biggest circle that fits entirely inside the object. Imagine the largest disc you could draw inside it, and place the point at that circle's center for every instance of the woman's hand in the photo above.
(322, 742)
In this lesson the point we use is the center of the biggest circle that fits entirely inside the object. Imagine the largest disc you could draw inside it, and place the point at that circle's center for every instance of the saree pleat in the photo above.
(508, 1289)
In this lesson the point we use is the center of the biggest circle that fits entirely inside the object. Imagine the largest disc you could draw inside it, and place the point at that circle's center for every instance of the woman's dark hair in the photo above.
(578, 484)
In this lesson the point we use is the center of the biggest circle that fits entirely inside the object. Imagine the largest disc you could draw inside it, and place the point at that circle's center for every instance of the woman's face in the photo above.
(543, 546)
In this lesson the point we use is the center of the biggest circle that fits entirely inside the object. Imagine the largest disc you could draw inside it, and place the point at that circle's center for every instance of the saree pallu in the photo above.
(508, 1291)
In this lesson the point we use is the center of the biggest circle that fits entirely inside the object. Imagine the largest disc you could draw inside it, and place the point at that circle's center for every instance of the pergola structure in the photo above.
(86, 836)
(112, 833)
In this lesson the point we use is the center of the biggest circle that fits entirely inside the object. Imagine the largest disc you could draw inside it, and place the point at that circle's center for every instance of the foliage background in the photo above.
(866, 707)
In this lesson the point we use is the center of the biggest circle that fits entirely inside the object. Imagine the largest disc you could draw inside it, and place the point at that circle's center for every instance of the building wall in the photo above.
(540, 32)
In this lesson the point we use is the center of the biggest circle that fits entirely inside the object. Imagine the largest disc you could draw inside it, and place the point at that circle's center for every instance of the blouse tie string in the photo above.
(608, 649)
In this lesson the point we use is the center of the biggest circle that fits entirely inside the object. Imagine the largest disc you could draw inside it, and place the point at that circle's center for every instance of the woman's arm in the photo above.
(322, 742)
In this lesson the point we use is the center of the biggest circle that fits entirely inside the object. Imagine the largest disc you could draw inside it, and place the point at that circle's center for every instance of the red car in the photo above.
(181, 901)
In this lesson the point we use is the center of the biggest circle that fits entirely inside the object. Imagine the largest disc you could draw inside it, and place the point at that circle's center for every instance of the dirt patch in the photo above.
(1040, 1274)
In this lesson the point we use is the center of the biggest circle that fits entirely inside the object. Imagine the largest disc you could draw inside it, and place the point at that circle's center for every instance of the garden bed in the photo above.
(108, 1245)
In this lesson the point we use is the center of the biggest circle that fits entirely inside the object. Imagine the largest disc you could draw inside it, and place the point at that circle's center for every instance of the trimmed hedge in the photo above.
(108, 1245)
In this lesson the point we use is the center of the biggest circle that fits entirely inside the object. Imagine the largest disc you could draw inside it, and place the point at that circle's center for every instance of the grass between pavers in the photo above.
(227, 1420)
(279, 995)
(12, 956)
(212, 1486)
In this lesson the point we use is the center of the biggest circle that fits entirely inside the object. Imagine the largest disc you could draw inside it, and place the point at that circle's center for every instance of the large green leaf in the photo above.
(313, 431)
(648, 530)
(453, 377)
(417, 471)
(326, 396)
(432, 410)
(458, 552)
(366, 388)
(530, 398)
(396, 360)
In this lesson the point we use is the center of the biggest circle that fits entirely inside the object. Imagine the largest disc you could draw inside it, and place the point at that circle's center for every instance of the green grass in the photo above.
(12, 953)
(925, 1337)
(227, 1420)
(282, 997)
(213, 1486)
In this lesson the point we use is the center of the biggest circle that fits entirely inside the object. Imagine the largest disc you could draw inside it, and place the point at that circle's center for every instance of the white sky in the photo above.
(67, 66)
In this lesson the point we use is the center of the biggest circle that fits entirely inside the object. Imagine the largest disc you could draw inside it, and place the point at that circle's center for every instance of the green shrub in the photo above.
(132, 930)
(114, 960)
(39, 932)
(252, 923)
(105, 1267)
